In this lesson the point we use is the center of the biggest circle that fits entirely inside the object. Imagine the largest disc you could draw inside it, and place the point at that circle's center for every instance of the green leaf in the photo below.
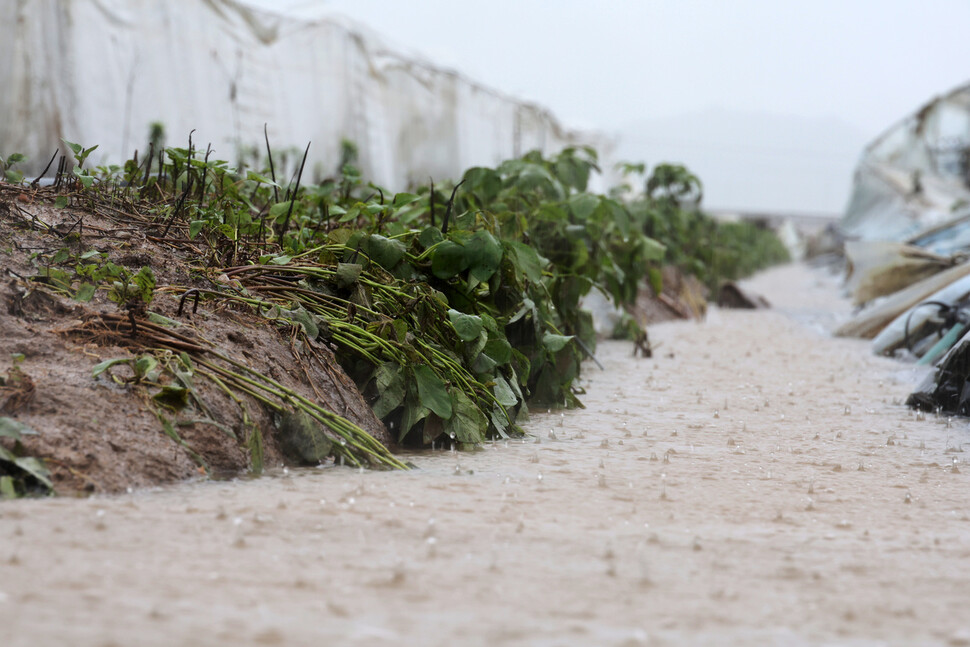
(483, 364)
(85, 292)
(35, 468)
(432, 391)
(402, 199)
(195, 227)
(655, 278)
(484, 253)
(7, 489)
(555, 343)
(573, 172)
(413, 414)
(468, 424)
(348, 273)
(386, 252)
(162, 320)
(101, 367)
(302, 438)
(14, 177)
(528, 306)
(61, 201)
(16, 158)
(389, 377)
(256, 177)
(430, 236)
(653, 250)
(307, 320)
(145, 282)
(583, 205)
(499, 421)
(350, 215)
(279, 210)
(144, 365)
(503, 392)
(499, 349)
(526, 260)
(10, 428)
(483, 182)
(468, 327)
(77, 148)
(448, 260)
(172, 396)
(282, 259)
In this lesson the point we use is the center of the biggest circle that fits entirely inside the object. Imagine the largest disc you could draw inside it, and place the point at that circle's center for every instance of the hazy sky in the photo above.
(629, 67)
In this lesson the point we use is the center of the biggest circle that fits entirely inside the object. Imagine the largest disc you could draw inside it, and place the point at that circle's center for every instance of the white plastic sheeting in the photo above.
(101, 71)
(915, 175)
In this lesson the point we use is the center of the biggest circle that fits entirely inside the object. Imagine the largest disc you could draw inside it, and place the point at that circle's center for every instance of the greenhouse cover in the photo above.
(102, 72)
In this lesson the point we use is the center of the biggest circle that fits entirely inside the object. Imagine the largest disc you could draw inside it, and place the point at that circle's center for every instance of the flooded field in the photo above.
(756, 482)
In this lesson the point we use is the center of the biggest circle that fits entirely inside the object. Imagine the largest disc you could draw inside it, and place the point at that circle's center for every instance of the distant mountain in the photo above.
(754, 161)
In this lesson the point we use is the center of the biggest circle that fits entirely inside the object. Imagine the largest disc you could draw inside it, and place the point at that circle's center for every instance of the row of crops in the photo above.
(454, 307)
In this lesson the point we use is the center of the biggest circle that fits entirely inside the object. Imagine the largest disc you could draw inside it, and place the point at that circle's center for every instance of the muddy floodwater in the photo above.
(756, 482)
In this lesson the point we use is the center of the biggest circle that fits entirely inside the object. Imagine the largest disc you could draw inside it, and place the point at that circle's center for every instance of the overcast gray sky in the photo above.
(658, 72)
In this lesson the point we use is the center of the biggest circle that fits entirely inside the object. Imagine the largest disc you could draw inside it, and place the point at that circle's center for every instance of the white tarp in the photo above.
(916, 175)
(101, 71)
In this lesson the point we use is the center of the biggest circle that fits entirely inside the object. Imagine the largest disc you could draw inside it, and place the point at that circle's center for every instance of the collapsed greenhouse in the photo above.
(908, 238)
(119, 73)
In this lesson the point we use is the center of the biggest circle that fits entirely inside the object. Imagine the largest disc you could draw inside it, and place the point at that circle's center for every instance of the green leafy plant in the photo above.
(6, 168)
(453, 307)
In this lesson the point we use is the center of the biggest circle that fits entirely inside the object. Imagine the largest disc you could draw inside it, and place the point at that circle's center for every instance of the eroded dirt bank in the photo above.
(755, 483)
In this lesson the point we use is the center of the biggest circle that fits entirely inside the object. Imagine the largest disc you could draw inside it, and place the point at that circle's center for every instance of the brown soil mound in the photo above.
(104, 434)
(683, 297)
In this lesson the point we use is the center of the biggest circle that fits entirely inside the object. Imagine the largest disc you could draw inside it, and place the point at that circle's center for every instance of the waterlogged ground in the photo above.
(755, 483)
